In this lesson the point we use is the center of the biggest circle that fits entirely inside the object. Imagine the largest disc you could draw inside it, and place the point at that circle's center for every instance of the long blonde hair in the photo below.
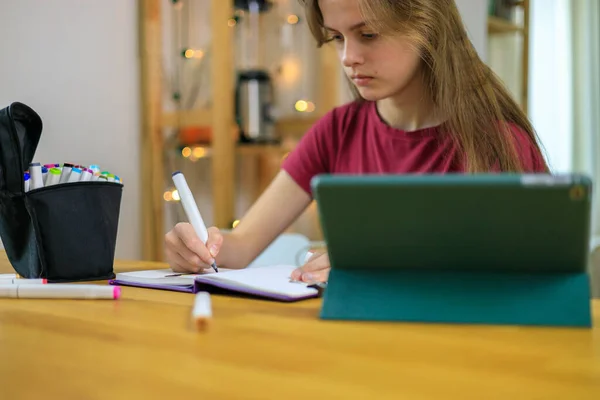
(476, 105)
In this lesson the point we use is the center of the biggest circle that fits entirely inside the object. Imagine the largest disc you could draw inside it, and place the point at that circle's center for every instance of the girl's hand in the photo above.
(316, 269)
(185, 252)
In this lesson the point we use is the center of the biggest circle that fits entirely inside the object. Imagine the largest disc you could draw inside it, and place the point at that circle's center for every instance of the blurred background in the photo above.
(224, 90)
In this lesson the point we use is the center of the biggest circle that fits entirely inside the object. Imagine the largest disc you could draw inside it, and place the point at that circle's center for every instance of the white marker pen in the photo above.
(191, 209)
(26, 182)
(202, 311)
(75, 175)
(66, 171)
(95, 169)
(22, 281)
(35, 173)
(60, 291)
(53, 176)
(86, 175)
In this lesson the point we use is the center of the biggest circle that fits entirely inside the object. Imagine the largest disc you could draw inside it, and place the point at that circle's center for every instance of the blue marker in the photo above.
(44, 174)
(26, 185)
(75, 175)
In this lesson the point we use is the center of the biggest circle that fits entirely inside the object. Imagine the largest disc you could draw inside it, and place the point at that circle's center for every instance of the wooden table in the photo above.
(144, 346)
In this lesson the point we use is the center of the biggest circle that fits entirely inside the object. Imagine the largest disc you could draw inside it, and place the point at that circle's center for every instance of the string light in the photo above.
(231, 22)
(199, 152)
(301, 106)
(171, 195)
(292, 19)
(186, 152)
(191, 53)
(235, 223)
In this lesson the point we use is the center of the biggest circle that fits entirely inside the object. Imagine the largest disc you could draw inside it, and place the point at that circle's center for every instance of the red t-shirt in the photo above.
(352, 139)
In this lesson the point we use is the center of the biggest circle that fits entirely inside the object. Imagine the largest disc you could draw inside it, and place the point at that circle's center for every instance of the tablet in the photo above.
(489, 222)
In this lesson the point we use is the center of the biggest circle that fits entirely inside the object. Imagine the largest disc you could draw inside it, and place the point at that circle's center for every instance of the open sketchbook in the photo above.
(270, 282)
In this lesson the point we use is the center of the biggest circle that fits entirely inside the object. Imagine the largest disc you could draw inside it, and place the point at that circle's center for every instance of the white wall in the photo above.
(75, 63)
(474, 14)
(550, 83)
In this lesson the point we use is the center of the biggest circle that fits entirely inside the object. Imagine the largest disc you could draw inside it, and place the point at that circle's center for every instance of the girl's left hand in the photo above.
(316, 269)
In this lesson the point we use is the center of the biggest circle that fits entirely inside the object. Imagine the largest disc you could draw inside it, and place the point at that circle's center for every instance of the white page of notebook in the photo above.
(273, 279)
(157, 276)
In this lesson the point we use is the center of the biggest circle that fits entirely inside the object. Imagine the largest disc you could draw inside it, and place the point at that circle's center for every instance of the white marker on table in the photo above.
(22, 281)
(191, 209)
(202, 311)
(59, 291)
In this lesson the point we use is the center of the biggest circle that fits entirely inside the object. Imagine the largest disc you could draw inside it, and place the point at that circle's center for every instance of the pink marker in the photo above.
(86, 175)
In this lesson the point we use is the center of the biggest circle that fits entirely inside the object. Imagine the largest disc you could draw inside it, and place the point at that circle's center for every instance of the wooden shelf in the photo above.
(498, 25)
(260, 149)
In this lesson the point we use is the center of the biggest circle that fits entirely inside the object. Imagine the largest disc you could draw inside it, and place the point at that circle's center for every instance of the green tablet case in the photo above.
(490, 248)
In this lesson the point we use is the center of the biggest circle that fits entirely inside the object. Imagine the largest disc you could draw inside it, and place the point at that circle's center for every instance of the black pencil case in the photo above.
(64, 232)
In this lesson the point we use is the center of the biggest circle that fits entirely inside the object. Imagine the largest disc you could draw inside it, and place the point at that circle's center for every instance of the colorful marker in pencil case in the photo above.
(75, 175)
(95, 169)
(35, 174)
(53, 176)
(44, 174)
(86, 175)
(66, 171)
(26, 182)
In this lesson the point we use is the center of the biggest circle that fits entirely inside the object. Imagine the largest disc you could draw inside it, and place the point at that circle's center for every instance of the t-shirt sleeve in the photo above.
(313, 154)
(531, 158)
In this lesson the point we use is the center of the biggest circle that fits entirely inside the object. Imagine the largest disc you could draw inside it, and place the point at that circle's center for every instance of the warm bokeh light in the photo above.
(168, 196)
(292, 19)
(231, 22)
(301, 106)
(175, 195)
(235, 223)
(290, 71)
(191, 53)
(310, 106)
(199, 152)
(186, 152)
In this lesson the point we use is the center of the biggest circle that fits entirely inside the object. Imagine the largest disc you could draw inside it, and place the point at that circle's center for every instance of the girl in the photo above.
(425, 103)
